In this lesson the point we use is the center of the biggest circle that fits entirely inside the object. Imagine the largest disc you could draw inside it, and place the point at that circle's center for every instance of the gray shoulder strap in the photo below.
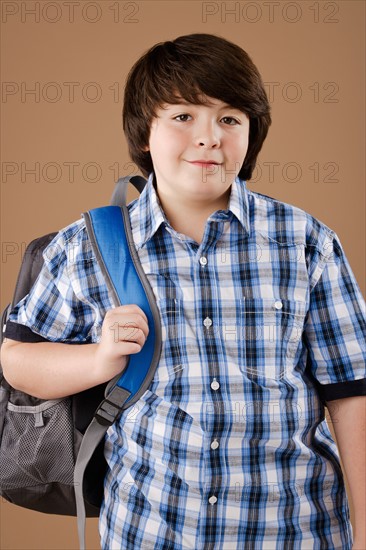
(119, 196)
(92, 437)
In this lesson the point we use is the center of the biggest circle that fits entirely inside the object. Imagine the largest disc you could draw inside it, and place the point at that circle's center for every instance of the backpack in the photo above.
(64, 475)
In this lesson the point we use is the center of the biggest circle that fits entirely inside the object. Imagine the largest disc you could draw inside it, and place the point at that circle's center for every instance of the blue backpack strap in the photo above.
(112, 242)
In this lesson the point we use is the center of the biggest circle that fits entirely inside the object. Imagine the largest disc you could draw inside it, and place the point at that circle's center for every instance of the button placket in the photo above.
(207, 324)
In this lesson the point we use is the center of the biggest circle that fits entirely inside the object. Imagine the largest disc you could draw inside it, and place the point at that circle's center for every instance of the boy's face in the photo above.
(184, 138)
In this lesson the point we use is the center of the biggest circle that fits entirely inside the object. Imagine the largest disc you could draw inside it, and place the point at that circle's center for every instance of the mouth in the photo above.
(204, 162)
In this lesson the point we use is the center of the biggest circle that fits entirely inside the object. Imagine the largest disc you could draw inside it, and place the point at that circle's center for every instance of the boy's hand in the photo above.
(124, 332)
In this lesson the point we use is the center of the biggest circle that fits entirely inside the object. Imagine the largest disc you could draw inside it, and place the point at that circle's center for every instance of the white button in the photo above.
(207, 322)
(203, 260)
(215, 385)
(212, 500)
(278, 304)
(214, 444)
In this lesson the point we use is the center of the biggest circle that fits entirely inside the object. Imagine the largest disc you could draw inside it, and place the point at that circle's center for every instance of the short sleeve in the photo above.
(52, 310)
(334, 331)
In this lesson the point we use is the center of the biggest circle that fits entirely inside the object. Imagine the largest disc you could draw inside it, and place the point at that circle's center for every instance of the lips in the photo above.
(204, 162)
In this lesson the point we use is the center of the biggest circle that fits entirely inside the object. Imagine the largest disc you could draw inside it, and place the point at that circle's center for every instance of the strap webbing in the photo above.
(92, 437)
(119, 197)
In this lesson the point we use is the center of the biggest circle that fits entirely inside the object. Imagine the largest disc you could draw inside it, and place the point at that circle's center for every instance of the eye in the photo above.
(182, 117)
(232, 121)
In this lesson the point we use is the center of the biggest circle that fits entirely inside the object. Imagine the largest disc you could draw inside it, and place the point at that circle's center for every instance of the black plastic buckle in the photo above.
(111, 406)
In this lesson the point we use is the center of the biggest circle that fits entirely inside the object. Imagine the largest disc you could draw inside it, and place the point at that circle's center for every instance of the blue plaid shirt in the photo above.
(262, 323)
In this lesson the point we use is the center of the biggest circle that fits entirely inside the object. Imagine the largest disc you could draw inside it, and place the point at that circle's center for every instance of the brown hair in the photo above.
(193, 65)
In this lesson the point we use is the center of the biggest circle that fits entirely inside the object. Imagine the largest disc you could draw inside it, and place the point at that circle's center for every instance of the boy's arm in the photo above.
(348, 417)
(50, 370)
(334, 333)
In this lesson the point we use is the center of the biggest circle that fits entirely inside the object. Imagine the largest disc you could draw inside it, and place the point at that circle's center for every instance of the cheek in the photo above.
(166, 141)
(173, 137)
(239, 146)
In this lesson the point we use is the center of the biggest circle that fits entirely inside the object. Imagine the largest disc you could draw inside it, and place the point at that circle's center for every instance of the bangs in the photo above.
(176, 72)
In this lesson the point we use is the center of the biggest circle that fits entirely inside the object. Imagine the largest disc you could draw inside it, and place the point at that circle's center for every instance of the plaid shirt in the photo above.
(262, 323)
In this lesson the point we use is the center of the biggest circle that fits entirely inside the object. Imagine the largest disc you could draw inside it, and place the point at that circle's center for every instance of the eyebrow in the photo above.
(184, 102)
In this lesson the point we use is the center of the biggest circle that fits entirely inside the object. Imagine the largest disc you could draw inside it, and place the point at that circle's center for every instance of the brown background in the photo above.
(311, 57)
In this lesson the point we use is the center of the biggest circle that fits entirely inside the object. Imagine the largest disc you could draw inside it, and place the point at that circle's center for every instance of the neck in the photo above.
(190, 218)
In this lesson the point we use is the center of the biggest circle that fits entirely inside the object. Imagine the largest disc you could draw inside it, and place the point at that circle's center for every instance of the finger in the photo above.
(131, 308)
(129, 333)
(116, 319)
(128, 348)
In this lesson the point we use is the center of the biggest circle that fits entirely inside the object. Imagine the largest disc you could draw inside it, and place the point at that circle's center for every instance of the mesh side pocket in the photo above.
(37, 445)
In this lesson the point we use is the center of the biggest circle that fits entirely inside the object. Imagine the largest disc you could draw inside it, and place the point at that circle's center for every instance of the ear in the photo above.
(146, 148)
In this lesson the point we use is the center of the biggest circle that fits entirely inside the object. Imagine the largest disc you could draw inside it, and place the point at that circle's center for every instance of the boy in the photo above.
(262, 324)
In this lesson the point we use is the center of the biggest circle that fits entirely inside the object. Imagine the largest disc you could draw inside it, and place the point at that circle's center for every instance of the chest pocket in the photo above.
(272, 330)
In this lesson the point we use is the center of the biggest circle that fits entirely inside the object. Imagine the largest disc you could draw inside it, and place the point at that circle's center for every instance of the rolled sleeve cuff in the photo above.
(22, 333)
(339, 390)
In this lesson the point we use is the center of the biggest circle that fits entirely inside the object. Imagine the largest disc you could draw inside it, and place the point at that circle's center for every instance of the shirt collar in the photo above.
(238, 205)
(148, 213)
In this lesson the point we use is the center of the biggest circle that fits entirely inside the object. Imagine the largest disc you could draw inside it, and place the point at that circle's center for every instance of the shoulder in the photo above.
(70, 244)
(287, 224)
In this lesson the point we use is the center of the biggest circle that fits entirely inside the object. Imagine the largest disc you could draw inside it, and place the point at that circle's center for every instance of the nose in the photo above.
(207, 135)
